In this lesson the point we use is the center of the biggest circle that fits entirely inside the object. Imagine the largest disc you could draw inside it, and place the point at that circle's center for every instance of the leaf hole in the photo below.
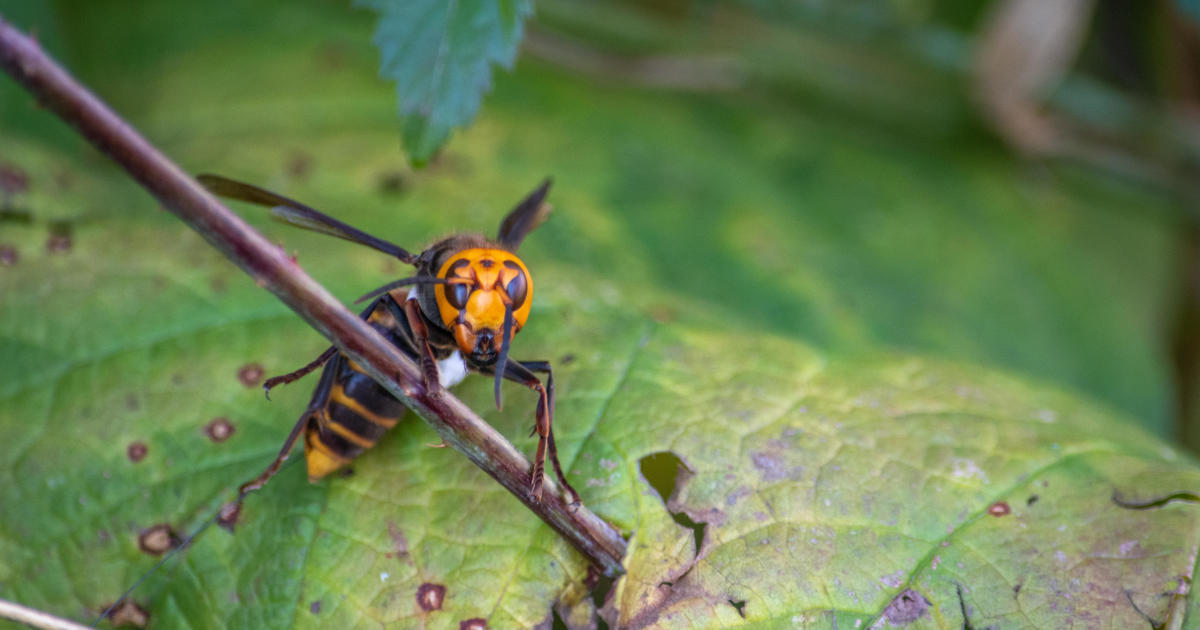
(556, 620)
(601, 589)
(962, 604)
(1153, 503)
(666, 473)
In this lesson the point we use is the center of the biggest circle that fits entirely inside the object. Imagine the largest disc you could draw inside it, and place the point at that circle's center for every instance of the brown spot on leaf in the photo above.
(229, 514)
(64, 179)
(393, 183)
(399, 541)
(58, 243)
(8, 255)
(129, 614)
(299, 165)
(315, 607)
(333, 55)
(999, 508)
(219, 284)
(157, 539)
(13, 180)
(1031, 500)
(473, 624)
(431, 596)
(662, 313)
(906, 608)
(772, 466)
(567, 359)
(250, 374)
(219, 430)
(137, 451)
(733, 497)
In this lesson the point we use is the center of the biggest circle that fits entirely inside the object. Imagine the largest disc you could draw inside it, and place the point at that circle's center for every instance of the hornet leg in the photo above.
(292, 377)
(523, 372)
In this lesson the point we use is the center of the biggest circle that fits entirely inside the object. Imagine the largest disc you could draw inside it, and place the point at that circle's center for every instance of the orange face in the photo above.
(481, 285)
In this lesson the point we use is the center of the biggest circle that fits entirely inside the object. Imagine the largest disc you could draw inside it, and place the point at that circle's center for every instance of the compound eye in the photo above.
(517, 288)
(457, 294)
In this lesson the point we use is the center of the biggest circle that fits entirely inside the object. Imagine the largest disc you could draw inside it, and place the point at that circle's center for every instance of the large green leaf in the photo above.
(801, 362)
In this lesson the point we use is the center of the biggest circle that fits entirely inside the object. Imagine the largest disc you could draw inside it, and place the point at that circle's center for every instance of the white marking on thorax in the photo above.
(451, 370)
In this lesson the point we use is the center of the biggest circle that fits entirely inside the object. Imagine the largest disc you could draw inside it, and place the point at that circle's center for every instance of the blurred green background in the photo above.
(840, 172)
(1002, 184)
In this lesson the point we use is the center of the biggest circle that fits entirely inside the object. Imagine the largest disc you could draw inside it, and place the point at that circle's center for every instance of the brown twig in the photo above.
(272, 269)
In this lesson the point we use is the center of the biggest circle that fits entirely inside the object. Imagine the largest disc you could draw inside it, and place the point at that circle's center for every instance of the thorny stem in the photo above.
(272, 269)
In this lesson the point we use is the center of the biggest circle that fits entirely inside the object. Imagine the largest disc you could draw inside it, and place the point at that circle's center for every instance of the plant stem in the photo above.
(272, 269)
(35, 618)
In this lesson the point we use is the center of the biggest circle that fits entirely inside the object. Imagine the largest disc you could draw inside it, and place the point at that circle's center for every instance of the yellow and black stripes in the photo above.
(349, 411)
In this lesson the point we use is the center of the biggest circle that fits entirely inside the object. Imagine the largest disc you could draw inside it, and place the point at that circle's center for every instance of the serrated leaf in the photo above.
(440, 54)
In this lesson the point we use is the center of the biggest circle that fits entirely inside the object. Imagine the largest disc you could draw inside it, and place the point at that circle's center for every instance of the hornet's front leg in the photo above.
(523, 372)
(292, 377)
(429, 369)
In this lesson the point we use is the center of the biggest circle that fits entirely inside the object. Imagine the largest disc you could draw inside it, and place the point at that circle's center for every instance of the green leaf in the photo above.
(770, 326)
(440, 54)
(828, 494)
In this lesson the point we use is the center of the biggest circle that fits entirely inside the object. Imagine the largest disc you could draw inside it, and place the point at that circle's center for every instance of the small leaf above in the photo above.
(440, 54)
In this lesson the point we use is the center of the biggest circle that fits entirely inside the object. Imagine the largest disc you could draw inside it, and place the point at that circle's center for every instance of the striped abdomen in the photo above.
(349, 411)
